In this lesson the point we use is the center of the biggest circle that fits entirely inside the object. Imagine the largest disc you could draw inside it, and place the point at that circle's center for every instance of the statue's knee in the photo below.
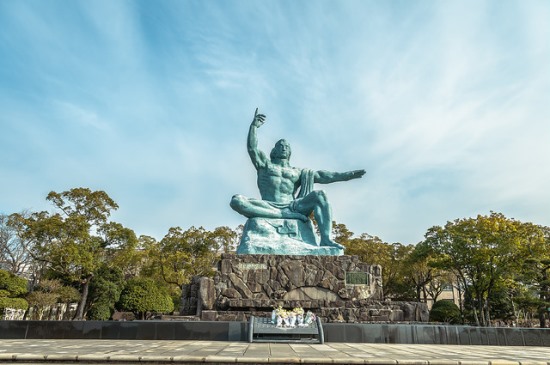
(321, 196)
(236, 201)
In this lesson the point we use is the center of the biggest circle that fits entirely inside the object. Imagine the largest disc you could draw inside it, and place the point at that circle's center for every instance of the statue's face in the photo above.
(281, 150)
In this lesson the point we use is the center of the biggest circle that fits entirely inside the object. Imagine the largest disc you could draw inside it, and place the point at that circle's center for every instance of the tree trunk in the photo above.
(83, 299)
(476, 316)
(542, 318)
(483, 322)
(544, 297)
(487, 313)
(460, 302)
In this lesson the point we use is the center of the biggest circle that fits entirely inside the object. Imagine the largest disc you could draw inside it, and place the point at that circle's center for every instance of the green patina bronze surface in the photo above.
(278, 222)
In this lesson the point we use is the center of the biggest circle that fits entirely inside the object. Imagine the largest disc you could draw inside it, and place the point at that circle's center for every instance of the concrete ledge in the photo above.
(238, 331)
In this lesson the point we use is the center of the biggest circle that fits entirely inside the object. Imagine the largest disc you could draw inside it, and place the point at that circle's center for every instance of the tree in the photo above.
(479, 251)
(142, 295)
(534, 271)
(180, 255)
(76, 241)
(341, 233)
(226, 239)
(420, 273)
(105, 292)
(428, 281)
(392, 258)
(14, 248)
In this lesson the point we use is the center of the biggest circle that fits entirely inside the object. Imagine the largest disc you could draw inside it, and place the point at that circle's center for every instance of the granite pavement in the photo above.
(60, 351)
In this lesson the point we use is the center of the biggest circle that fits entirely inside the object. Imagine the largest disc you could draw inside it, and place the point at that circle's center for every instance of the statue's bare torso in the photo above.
(278, 183)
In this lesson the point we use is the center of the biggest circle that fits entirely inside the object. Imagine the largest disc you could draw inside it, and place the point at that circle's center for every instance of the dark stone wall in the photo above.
(436, 334)
(132, 330)
(238, 331)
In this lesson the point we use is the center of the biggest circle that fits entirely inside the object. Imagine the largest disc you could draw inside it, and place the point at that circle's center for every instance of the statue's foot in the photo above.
(331, 243)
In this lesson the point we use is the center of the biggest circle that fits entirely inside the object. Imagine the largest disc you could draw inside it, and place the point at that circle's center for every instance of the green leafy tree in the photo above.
(392, 258)
(180, 255)
(341, 233)
(480, 252)
(77, 240)
(226, 239)
(105, 292)
(143, 295)
(535, 266)
(428, 281)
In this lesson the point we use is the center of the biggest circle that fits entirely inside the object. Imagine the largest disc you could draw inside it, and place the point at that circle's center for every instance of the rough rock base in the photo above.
(336, 288)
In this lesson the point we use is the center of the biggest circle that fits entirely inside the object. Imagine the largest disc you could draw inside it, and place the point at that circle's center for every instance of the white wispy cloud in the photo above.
(444, 103)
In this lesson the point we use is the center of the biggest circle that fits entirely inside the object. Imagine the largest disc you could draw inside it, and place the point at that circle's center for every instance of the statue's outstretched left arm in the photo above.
(327, 177)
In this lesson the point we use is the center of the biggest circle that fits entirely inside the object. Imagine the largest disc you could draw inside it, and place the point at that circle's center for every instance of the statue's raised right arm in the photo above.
(258, 158)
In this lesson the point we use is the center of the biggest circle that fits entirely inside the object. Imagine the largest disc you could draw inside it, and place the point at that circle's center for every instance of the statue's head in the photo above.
(281, 150)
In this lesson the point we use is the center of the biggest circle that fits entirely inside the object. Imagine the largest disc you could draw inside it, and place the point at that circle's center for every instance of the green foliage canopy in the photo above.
(142, 295)
(481, 252)
(14, 285)
(445, 311)
(77, 240)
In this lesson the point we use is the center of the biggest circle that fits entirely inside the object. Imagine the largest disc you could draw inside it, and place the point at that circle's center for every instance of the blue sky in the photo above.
(446, 104)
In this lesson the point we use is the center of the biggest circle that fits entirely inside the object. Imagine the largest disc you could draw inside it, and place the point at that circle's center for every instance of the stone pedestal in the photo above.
(282, 236)
(336, 288)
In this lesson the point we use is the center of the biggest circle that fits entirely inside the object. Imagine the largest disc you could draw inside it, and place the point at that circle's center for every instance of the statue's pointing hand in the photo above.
(356, 174)
(259, 119)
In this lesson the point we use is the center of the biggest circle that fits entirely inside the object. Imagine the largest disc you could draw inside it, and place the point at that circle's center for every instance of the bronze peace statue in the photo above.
(278, 222)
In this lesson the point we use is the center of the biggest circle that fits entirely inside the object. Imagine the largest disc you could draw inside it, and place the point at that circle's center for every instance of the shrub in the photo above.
(105, 292)
(15, 303)
(15, 285)
(445, 311)
(100, 311)
(142, 295)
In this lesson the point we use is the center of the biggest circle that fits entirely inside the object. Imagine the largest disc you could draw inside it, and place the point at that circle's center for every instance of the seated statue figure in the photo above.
(279, 183)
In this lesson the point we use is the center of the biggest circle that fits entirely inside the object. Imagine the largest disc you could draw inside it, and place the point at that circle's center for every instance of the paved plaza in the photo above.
(212, 352)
